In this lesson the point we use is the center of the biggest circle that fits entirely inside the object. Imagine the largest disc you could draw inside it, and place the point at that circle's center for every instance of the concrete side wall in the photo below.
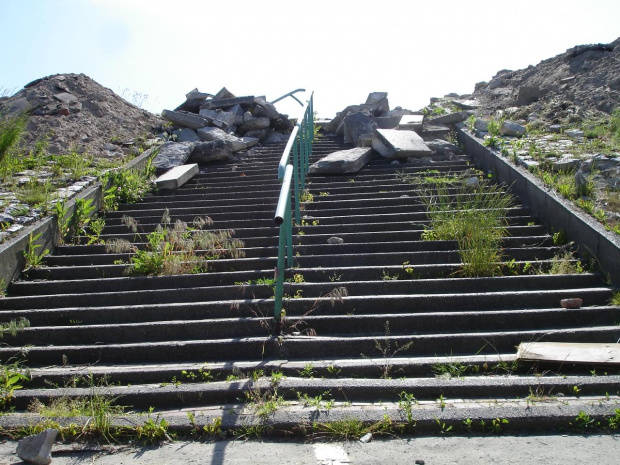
(555, 211)
(12, 252)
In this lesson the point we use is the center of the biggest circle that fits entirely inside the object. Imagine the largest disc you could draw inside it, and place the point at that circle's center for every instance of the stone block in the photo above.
(211, 134)
(467, 104)
(388, 122)
(394, 143)
(254, 124)
(228, 102)
(172, 154)
(186, 135)
(223, 93)
(411, 123)
(357, 124)
(334, 124)
(528, 94)
(188, 120)
(343, 161)
(442, 147)
(265, 109)
(196, 94)
(227, 118)
(37, 449)
(205, 152)
(177, 176)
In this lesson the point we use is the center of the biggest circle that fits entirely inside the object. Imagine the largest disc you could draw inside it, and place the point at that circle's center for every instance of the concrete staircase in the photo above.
(381, 313)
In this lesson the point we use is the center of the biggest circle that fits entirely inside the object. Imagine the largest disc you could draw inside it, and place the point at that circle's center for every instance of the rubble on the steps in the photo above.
(37, 449)
(217, 127)
(343, 161)
(394, 144)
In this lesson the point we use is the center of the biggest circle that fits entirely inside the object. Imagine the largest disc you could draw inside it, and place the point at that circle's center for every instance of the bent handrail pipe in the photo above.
(285, 243)
(290, 94)
(286, 155)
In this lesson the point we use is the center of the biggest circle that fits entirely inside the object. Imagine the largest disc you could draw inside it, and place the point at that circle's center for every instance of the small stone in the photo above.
(555, 128)
(419, 462)
(472, 182)
(571, 303)
(335, 240)
(481, 125)
(366, 438)
(37, 449)
(574, 133)
(510, 128)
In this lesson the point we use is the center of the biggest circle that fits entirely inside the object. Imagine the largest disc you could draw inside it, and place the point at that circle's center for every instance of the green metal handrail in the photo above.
(292, 169)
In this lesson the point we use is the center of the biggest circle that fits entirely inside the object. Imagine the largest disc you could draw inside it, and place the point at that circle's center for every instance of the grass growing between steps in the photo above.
(177, 248)
(476, 218)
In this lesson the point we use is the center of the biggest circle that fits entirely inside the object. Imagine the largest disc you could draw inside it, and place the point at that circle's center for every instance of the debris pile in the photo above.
(208, 128)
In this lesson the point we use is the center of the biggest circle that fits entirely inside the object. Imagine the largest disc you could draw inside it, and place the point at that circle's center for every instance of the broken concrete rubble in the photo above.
(358, 124)
(393, 143)
(343, 161)
(235, 123)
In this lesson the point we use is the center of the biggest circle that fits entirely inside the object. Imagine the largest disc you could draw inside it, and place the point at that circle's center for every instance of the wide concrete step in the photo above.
(327, 304)
(67, 294)
(303, 347)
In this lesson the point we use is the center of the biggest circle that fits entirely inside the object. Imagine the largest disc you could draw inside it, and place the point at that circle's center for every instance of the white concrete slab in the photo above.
(177, 176)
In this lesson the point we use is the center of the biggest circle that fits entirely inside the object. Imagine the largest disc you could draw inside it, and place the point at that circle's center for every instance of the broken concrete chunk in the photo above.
(254, 124)
(343, 161)
(186, 135)
(333, 125)
(388, 122)
(211, 134)
(195, 94)
(223, 94)
(266, 109)
(65, 97)
(452, 118)
(228, 118)
(481, 125)
(188, 120)
(205, 152)
(528, 94)
(357, 124)
(177, 176)
(238, 112)
(228, 102)
(442, 147)
(172, 154)
(250, 141)
(37, 449)
(467, 104)
(394, 143)
(411, 122)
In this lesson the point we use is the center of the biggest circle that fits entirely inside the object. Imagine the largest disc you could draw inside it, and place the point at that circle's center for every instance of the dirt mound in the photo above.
(73, 112)
(583, 82)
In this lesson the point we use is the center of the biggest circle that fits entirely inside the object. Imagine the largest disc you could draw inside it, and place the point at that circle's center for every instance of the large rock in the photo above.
(388, 122)
(205, 152)
(510, 128)
(394, 143)
(266, 109)
(37, 449)
(254, 124)
(378, 103)
(226, 117)
(333, 125)
(186, 135)
(211, 134)
(228, 102)
(189, 120)
(357, 124)
(442, 147)
(172, 154)
(344, 161)
(223, 93)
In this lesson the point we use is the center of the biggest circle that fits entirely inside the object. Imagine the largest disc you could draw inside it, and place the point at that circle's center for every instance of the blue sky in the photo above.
(343, 49)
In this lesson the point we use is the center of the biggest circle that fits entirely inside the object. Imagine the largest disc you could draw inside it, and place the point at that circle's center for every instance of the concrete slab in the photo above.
(188, 120)
(569, 352)
(177, 176)
(228, 102)
(343, 161)
(411, 123)
(394, 143)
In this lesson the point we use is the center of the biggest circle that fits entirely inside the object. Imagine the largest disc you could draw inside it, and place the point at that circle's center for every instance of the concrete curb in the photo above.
(555, 211)
(12, 251)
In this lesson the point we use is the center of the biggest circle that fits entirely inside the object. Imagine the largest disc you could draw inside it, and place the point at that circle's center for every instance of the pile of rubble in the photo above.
(208, 128)
(402, 136)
